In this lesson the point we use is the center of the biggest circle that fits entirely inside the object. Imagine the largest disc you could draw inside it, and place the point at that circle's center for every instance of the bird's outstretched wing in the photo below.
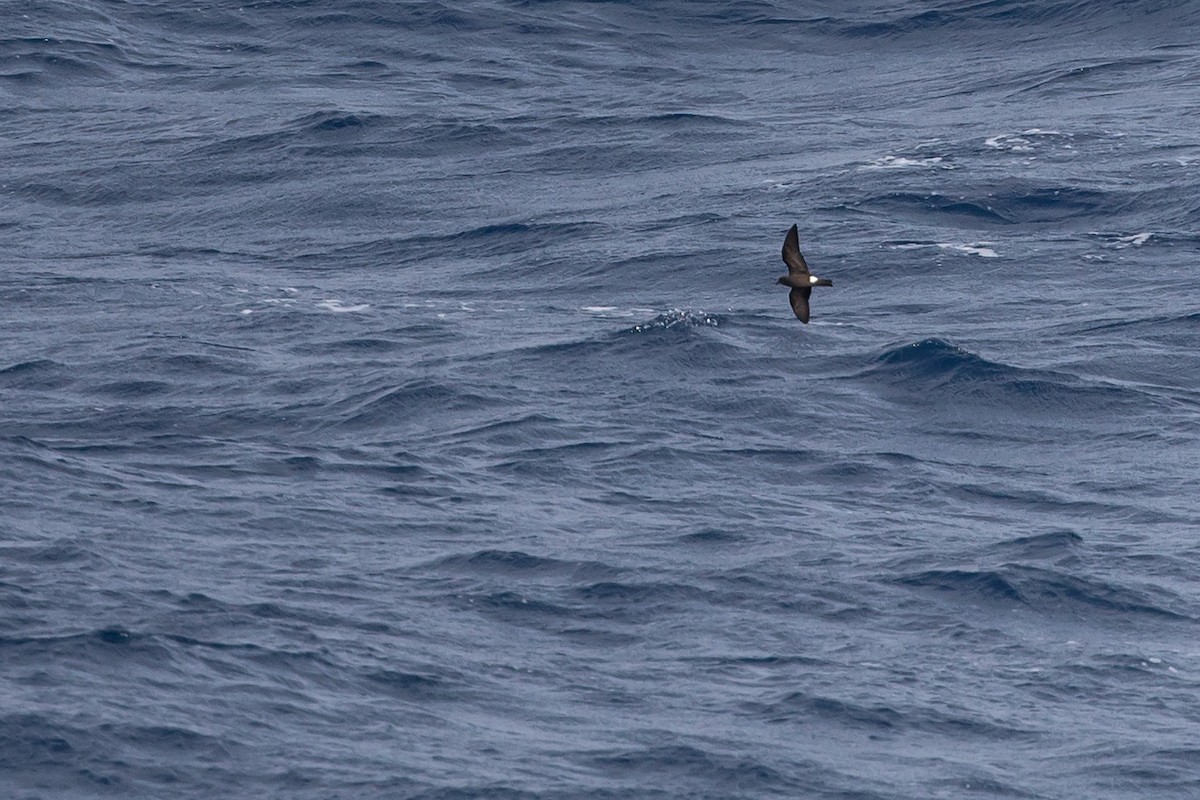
(791, 254)
(799, 300)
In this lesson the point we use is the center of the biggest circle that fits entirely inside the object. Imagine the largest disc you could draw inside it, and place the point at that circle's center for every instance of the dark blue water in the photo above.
(396, 401)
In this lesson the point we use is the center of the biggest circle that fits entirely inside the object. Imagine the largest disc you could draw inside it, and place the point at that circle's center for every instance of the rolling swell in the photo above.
(677, 340)
(1048, 591)
(1003, 205)
(935, 370)
(966, 16)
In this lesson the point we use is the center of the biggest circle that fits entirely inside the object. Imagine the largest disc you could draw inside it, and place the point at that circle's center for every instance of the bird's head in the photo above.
(782, 280)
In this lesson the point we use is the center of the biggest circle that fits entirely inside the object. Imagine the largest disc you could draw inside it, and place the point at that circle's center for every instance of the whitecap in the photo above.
(1133, 240)
(678, 318)
(338, 307)
(900, 162)
(1023, 142)
(1013, 144)
(973, 249)
(616, 311)
(976, 249)
(1121, 242)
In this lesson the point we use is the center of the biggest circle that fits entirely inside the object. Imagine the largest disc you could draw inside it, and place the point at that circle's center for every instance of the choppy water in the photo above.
(395, 401)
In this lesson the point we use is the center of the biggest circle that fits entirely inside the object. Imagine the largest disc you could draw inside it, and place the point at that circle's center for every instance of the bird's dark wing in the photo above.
(791, 253)
(799, 300)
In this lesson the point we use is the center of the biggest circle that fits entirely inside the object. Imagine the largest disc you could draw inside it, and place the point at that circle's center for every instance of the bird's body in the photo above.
(798, 278)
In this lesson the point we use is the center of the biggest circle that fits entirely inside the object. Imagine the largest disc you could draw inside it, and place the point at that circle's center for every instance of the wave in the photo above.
(696, 771)
(1011, 204)
(933, 369)
(411, 403)
(1164, 326)
(1053, 545)
(76, 758)
(677, 341)
(515, 563)
(1047, 591)
(44, 59)
(1058, 18)
(38, 373)
(676, 319)
(328, 126)
(110, 644)
(512, 238)
(807, 708)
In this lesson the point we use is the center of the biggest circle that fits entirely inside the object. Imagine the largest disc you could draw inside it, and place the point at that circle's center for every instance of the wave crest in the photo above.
(934, 369)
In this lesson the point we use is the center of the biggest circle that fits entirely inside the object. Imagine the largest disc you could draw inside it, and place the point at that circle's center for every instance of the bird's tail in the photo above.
(823, 282)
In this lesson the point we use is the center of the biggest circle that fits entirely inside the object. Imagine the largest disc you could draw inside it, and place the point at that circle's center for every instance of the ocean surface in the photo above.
(396, 400)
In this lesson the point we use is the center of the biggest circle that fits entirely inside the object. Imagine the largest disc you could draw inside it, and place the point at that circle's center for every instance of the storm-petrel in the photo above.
(798, 277)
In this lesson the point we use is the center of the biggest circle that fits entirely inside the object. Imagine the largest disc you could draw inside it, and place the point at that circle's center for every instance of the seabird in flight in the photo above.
(798, 277)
